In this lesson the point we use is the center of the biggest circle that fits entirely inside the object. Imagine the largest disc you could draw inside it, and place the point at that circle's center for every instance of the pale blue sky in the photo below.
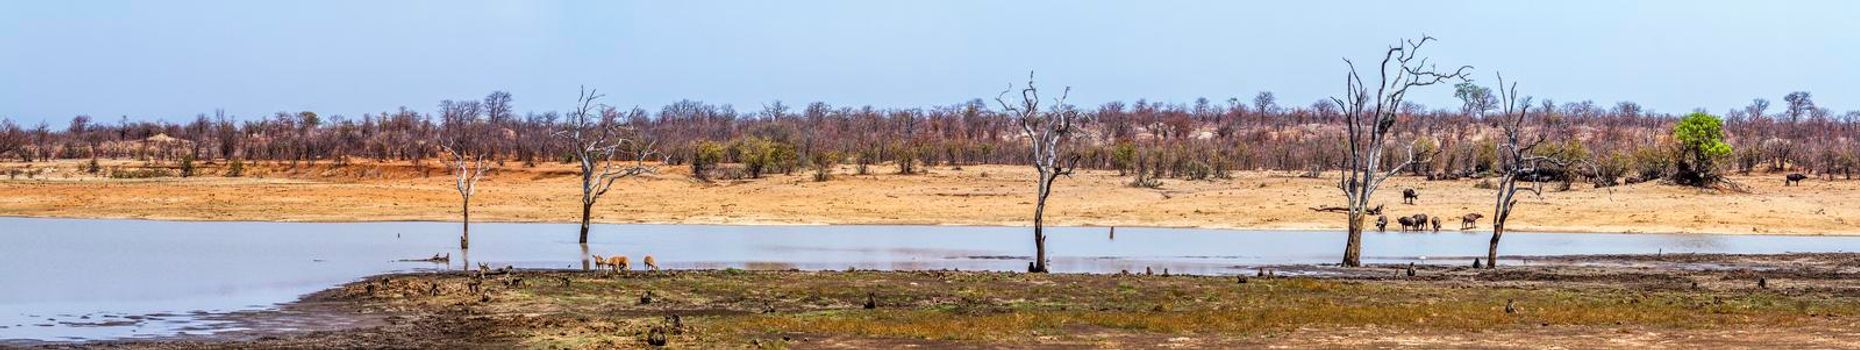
(174, 59)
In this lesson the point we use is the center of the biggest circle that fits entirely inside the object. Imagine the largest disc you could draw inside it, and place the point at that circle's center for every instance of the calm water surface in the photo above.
(70, 279)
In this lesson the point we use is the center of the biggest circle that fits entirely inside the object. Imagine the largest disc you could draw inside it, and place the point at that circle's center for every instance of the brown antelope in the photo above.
(652, 265)
(600, 263)
(618, 262)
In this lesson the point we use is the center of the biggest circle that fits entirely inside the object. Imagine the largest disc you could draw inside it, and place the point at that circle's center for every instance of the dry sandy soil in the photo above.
(974, 195)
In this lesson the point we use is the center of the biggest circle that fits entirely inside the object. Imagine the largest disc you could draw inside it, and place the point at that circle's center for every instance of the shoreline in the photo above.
(777, 223)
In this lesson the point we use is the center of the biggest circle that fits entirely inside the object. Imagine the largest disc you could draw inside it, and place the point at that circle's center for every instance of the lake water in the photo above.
(70, 279)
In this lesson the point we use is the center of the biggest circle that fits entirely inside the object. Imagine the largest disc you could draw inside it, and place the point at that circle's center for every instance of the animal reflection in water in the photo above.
(619, 263)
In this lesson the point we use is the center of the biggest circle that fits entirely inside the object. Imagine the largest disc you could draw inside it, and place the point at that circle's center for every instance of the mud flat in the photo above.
(1668, 301)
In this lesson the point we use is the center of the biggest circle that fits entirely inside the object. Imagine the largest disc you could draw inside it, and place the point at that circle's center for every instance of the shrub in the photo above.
(1122, 157)
(187, 166)
(236, 169)
(705, 157)
(139, 174)
(761, 156)
(823, 163)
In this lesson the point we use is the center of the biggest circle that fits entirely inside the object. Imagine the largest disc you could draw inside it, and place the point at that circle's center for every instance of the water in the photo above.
(67, 279)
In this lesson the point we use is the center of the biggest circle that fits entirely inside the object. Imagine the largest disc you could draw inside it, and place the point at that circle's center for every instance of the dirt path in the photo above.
(975, 195)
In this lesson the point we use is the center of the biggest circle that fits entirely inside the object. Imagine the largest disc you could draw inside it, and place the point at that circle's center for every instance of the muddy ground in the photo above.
(1575, 302)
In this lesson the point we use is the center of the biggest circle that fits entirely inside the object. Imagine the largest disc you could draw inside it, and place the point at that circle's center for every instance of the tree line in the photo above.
(1198, 140)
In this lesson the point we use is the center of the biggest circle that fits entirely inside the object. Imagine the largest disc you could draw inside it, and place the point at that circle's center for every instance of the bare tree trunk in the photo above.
(1491, 253)
(587, 209)
(465, 225)
(1039, 223)
(1353, 246)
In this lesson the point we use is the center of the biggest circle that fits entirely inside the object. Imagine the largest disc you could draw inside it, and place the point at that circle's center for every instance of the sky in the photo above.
(172, 60)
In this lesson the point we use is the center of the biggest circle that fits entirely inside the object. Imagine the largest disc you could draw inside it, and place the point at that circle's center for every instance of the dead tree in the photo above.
(597, 142)
(1369, 114)
(1048, 128)
(467, 168)
(1515, 160)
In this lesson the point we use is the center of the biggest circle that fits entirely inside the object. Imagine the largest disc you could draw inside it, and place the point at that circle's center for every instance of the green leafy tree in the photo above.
(1701, 144)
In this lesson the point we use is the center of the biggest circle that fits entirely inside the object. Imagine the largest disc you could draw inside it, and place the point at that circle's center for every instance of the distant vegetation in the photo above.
(1196, 140)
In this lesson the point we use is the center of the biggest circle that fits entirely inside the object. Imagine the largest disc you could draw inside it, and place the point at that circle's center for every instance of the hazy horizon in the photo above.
(173, 60)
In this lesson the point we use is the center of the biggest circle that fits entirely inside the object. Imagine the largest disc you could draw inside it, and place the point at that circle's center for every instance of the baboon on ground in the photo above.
(1794, 179)
(1409, 196)
(1470, 221)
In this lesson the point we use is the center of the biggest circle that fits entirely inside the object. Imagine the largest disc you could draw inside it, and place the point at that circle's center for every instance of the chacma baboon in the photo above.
(1794, 179)
(1436, 222)
(871, 300)
(656, 337)
(676, 323)
(1382, 223)
(1470, 221)
(1409, 196)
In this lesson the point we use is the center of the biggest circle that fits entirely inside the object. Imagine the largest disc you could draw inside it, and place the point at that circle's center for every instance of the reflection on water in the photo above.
(85, 279)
